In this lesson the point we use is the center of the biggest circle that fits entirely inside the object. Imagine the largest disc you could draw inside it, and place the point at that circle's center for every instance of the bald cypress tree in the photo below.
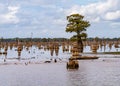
(77, 25)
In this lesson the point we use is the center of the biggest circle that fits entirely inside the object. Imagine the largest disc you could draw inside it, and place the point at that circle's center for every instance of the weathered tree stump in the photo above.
(72, 64)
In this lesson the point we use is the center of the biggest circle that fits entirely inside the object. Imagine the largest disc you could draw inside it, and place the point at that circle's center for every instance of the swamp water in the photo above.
(104, 71)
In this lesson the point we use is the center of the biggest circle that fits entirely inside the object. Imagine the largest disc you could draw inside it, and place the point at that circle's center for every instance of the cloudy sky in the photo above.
(47, 18)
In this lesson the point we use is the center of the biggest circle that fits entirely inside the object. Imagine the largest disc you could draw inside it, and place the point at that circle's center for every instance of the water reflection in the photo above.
(100, 72)
(104, 71)
(95, 73)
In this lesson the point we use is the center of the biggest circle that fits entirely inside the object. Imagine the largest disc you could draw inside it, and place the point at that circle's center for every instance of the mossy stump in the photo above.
(72, 64)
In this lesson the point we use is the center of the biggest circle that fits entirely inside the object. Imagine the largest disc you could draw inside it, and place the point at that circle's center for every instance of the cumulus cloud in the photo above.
(113, 15)
(10, 15)
(97, 11)
(47, 18)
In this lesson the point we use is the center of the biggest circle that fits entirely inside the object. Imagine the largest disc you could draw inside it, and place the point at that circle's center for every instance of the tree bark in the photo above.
(80, 43)
(80, 46)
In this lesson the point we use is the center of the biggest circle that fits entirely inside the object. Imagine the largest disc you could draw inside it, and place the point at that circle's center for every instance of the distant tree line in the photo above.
(103, 39)
(33, 39)
(52, 39)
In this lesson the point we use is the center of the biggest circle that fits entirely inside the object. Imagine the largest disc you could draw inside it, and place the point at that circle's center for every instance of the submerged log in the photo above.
(84, 58)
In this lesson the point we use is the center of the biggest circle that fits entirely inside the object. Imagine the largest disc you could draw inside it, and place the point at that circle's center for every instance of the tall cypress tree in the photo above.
(78, 25)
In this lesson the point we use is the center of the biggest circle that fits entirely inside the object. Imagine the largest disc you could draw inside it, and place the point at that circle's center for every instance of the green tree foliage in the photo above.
(78, 25)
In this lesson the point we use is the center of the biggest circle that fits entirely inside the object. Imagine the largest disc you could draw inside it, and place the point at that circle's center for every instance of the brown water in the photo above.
(101, 72)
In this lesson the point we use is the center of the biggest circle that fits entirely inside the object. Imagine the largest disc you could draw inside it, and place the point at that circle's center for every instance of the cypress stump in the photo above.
(73, 63)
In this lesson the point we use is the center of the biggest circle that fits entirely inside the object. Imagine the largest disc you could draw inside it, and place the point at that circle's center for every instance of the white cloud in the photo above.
(103, 7)
(10, 16)
(47, 18)
(96, 11)
(13, 9)
(113, 15)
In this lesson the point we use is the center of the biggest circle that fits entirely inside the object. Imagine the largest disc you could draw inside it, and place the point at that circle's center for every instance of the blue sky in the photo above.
(47, 18)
